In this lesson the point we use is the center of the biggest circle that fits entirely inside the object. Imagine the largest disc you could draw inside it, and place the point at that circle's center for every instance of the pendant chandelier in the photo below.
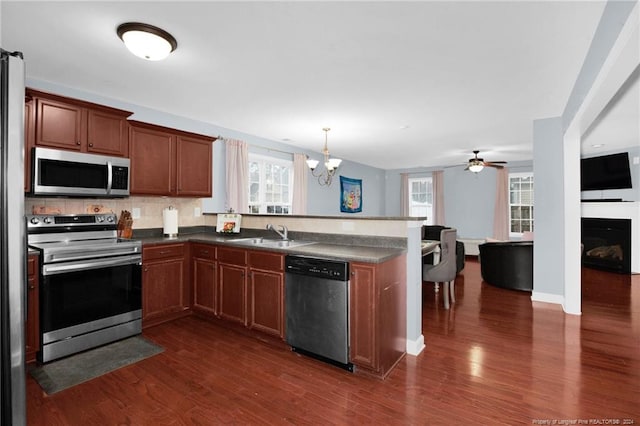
(330, 164)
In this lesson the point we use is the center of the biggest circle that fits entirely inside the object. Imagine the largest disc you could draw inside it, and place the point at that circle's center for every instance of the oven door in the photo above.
(76, 297)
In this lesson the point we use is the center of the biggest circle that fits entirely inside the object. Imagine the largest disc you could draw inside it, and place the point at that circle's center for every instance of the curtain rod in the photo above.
(219, 137)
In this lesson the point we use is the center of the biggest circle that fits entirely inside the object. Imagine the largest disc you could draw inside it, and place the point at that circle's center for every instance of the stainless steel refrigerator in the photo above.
(12, 240)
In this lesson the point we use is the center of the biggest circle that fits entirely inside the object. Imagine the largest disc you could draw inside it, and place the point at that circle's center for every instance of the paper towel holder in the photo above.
(170, 230)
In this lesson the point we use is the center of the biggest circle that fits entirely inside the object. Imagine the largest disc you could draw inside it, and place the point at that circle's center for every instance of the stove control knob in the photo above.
(48, 220)
(99, 219)
(35, 220)
(109, 218)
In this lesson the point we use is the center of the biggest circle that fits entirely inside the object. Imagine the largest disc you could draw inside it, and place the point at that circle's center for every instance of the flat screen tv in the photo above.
(605, 172)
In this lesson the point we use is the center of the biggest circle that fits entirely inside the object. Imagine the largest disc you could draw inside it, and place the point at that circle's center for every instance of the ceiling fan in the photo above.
(477, 164)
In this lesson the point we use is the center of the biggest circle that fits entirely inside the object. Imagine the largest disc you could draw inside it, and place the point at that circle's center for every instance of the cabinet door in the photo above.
(59, 125)
(266, 307)
(362, 304)
(193, 166)
(32, 325)
(151, 154)
(107, 133)
(29, 140)
(204, 285)
(232, 288)
(162, 288)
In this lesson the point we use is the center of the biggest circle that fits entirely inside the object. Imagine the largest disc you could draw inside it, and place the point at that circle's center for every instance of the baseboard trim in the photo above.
(557, 299)
(415, 347)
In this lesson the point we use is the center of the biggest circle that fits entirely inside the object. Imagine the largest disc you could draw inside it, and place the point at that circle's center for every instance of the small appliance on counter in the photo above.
(170, 222)
(229, 223)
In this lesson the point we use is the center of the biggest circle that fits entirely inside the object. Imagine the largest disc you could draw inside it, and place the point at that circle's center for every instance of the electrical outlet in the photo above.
(135, 213)
(636, 160)
(196, 212)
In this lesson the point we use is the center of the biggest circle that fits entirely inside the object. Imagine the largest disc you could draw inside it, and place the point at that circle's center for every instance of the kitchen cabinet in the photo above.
(165, 295)
(377, 304)
(65, 123)
(232, 284)
(32, 324)
(169, 162)
(266, 292)
(204, 277)
(29, 139)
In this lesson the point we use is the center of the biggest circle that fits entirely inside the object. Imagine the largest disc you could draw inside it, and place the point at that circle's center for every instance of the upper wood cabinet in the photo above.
(29, 139)
(65, 123)
(166, 161)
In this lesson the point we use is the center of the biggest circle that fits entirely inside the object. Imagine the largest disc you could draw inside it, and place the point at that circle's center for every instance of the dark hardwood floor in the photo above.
(494, 358)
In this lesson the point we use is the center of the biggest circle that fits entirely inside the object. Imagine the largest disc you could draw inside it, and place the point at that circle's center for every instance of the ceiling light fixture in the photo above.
(146, 41)
(476, 167)
(330, 164)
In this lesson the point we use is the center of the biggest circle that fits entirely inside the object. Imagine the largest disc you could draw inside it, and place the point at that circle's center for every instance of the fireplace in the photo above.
(607, 244)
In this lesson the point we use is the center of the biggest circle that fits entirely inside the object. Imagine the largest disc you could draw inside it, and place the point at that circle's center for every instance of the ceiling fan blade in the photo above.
(494, 165)
(497, 162)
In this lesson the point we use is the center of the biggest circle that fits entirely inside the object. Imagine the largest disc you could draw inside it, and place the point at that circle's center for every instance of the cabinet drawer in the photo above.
(32, 265)
(203, 251)
(162, 252)
(266, 260)
(232, 256)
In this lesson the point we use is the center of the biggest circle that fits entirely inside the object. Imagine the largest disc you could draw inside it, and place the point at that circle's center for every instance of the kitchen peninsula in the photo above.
(379, 250)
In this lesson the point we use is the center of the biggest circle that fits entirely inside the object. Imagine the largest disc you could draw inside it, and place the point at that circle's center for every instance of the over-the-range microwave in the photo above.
(56, 172)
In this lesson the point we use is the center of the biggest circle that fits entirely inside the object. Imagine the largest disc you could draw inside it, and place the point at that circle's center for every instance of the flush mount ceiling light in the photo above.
(146, 41)
(330, 164)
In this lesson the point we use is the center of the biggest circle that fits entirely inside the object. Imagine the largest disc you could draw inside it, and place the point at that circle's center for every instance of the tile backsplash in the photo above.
(150, 208)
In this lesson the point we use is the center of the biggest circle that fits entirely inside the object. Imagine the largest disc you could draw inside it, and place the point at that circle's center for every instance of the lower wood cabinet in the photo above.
(32, 325)
(378, 327)
(232, 284)
(266, 292)
(165, 295)
(204, 275)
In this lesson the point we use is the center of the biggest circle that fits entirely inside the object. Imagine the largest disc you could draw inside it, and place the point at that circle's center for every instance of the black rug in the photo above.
(62, 374)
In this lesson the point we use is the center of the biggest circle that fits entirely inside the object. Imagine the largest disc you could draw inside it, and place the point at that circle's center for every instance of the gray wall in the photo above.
(469, 198)
(321, 200)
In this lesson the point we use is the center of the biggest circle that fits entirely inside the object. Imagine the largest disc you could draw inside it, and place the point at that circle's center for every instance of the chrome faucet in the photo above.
(284, 232)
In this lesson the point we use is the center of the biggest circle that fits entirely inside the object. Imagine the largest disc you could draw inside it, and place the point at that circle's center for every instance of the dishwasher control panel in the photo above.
(317, 267)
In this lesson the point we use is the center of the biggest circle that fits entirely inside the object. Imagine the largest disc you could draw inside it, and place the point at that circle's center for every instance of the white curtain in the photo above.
(300, 174)
(237, 176)
(404, 194)
(501, 212)
(438, 197)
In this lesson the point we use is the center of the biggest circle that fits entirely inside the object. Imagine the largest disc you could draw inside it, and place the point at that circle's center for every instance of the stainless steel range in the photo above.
(90, 282)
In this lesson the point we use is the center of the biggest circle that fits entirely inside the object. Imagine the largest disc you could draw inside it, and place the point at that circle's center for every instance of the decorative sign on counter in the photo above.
(229, 223)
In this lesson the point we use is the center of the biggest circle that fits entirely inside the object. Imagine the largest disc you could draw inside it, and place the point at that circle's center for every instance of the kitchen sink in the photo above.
(265, 242)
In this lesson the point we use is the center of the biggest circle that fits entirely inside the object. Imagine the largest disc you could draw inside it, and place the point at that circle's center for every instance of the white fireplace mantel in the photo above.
(620, 210)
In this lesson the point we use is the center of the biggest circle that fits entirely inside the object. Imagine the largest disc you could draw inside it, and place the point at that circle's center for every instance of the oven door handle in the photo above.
(61, 268)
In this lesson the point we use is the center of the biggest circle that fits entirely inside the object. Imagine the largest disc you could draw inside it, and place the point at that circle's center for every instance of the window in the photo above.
(270, 185)
(421, 198)
(520, 203)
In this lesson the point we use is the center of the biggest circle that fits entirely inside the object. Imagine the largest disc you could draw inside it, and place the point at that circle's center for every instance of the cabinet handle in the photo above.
(205, 252)
(77, 142)
(146, 269)
(91, 145)
(32, 287)
(164, 252)
(353, 273)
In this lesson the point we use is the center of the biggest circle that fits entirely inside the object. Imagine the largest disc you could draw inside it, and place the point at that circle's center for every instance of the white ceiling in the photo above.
(401, 84)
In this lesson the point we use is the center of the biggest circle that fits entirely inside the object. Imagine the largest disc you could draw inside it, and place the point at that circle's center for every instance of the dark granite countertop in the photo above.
(355, 253)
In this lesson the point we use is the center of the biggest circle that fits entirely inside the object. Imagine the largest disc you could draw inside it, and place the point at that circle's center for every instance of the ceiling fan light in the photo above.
(476, 168)
(146, 41)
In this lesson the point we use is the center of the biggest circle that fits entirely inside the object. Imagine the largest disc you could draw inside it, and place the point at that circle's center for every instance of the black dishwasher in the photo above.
(317, 308)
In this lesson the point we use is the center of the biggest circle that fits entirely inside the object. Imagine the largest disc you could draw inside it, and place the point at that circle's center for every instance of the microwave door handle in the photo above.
(109, 177)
